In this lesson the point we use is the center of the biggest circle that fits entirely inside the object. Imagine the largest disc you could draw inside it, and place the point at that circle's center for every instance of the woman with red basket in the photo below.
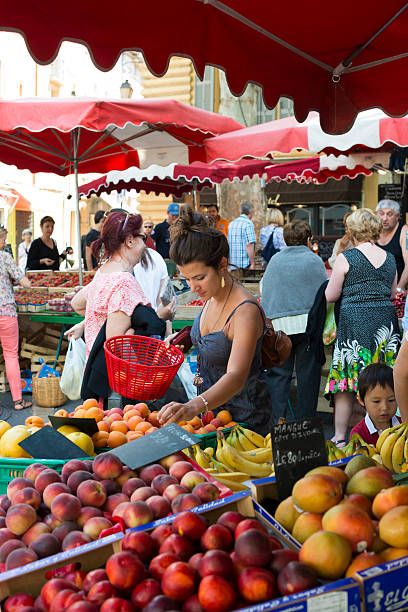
(114, 300)
(228, 333)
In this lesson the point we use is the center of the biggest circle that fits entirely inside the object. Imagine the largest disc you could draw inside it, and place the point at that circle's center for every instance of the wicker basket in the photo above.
(47, 391)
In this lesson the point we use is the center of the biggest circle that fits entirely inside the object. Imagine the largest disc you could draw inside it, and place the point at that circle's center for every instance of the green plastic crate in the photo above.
(210, 439)
(14, 468)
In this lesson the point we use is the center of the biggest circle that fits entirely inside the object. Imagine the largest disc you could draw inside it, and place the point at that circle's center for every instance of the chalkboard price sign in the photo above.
(149, 449)
(298, 446)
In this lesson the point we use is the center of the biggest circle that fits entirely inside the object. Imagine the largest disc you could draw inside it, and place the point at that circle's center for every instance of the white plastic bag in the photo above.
(187, 372)
(71, 379)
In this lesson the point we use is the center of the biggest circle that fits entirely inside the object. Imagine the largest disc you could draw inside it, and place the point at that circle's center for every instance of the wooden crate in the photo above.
(4, 386)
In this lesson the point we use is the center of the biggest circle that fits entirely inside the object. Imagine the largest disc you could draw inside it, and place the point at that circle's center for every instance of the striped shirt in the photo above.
(241, 232)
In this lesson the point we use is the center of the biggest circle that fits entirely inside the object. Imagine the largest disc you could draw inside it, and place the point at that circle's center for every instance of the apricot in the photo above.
(151, 430)
(328, 553)
(224, 416)
(363, 561)
(331, 471)
(393, 527)
(153, 418)
(103, 426)
(142, 409)
(80, 414)
(61, 413)
(390, 498)
(317, 493)
(195, 422)
(34, 421)
(352, 523)
(286, 514)
(116, 438)
(306, 524)
(90, 403)
(143, 426)
(119, 426)
(133, 435)
(133, 421)
(191, 429)
(100, 439)
(95, 413)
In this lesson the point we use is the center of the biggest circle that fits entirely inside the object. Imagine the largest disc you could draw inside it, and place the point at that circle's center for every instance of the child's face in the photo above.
(381, 405)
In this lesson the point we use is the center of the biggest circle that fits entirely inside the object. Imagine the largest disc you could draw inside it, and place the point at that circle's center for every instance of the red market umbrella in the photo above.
(337, 60)
(372, 131)
(177, 179)
(85, 135)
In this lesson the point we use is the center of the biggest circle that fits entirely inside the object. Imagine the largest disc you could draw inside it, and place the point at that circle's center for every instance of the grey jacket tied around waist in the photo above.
(291, 281)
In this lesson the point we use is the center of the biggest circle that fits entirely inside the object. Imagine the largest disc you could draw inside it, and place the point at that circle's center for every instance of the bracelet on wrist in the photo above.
(205, 402)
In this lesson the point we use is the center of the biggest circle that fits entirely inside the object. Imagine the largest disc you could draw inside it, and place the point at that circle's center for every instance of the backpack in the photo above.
(270, 250)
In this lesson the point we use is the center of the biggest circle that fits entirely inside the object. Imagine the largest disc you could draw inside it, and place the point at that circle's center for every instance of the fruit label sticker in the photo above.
(48, 443)
(149, 449)
(297, 447)
(329, 602)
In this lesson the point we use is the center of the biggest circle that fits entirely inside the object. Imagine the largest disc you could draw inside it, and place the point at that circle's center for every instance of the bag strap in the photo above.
(241, 304)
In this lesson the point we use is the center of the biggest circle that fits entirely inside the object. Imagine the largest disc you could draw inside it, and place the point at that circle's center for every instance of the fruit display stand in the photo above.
(188, 307)
(385, 587)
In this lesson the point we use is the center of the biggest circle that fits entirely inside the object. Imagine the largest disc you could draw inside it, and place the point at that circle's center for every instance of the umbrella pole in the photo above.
(77, 215)
(195, 193)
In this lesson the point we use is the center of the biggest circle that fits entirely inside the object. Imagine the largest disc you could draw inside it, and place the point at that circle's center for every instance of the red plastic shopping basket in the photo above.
(139, 367)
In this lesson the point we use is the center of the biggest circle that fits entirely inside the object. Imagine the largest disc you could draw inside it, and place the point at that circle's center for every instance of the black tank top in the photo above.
(394, 248)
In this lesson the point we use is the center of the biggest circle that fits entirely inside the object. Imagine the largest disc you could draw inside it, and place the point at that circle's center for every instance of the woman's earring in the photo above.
(222, 282)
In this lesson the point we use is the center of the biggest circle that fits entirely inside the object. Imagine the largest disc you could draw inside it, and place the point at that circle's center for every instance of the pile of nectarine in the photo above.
(44, 512)
(208, 422)
(188, 565)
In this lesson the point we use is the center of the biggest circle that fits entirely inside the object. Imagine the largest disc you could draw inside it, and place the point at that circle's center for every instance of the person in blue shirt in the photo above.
(161, 233)
(242, 239)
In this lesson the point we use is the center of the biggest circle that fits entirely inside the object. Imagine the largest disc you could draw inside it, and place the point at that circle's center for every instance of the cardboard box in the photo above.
(384, 588)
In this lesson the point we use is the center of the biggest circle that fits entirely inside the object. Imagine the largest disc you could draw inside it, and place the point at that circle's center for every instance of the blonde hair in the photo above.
(363, 224)
(276, 216)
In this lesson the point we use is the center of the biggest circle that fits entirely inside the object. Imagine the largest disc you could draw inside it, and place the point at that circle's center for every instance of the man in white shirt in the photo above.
(151, 273)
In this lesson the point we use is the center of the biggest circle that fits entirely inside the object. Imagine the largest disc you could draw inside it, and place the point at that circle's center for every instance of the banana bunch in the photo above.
(355, 446)
(334, 453)
(392, 445)
(205, 459)
(256, 462)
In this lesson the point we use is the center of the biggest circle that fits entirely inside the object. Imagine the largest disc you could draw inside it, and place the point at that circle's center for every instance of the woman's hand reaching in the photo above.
(76, 331)
(175, 412)
(167, 312)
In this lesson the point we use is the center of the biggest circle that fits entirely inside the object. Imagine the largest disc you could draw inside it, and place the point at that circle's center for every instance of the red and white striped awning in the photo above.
(176, 179)
(371, 131)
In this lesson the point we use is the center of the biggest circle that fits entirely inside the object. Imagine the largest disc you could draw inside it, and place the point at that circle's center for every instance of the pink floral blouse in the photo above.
(10, 274)
(106, 294)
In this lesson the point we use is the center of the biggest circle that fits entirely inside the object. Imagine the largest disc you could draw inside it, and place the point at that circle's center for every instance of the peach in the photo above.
(124, 570)
(141, 543)
(216, 594)
(393, 527)
(74, 465)
(46, 545)
(159, 506)
(142, 493)
(216, 563)
(16, 485)
(91, 493)
(107, 465)
(370, 481)
(217, 536)
(248, 524)
(5, 534)
(137, 513)
(173, 490)
(120, 510)
(160, 563)
(161, 533)
(168, 461)
(179, 468)
(149, 472)
(29, 496)
(178, 545)
(114, 604)
(256, 584)
(111, 486)
(206, 492)
(75, 479)
(194, 561)
(144, 592)
(192, 479)
(317, 493)
(18, 601)
(131, 485)
(52, 490)
(64, 529)
(253, 548)
(390, 498)
(190, 524)
(280, 558)
(95, 525)
(74, 539)
(5, 502)
(306, 524)
(230, 519)
(86, 513)
(7, 547)
(64, 600)
(66, 507)
(51, 589)
(328, 553)
(162, 481)
(126, 475)
(44, 478)
(178, 581)
(20, 557)
(34, 532)
(51, 521)
(352, 523)
(185, 501)
(93, 577)
(100, 592)
(20, 518)
(112, 501)
(296, 577)
(363, 561)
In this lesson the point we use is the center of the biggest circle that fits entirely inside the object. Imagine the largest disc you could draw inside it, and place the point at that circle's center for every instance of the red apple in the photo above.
(116, 604)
